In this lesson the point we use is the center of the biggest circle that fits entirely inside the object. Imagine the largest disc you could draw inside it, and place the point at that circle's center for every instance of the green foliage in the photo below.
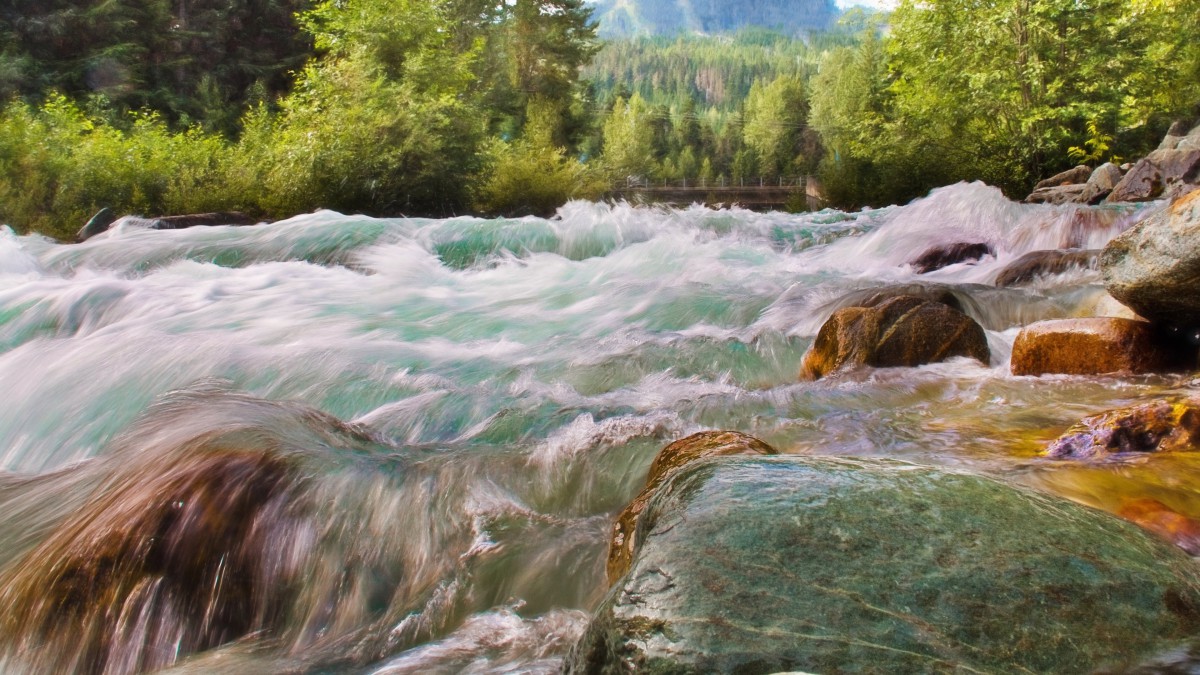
(628, 150)
(532, 175)
(1094, 148)
(1000, 91)
(192, 61)
(58, 167)
(387, 118)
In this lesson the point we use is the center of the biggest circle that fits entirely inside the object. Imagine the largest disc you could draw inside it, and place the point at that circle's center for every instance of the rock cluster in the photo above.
(1172, 170)
(1153, 268)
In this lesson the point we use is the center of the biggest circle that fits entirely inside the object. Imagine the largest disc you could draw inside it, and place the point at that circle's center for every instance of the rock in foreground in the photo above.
(1146, 427)
(760, 565)
(1097, 346)
(1154, 267)
(669, 460)
(900, 331)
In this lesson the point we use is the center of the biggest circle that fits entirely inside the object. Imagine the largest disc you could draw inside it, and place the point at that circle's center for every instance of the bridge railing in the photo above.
(641, 183)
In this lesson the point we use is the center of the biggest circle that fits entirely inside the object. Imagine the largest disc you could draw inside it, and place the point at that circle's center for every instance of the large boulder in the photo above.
(669, 460)
(1045, 263)
(1154, 266)
(1101, 183)
(937, 257)
(1097, 346)
(765, 564)
(97, 224)
(901, 331)
(1156, 426)
(1073, 176)
(1161, 174)
(1061, 194)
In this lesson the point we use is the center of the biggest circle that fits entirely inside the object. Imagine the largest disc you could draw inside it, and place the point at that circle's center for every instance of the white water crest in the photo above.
(444, 416)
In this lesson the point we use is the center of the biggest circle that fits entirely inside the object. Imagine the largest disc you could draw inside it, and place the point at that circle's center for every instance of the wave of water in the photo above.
(443, 415)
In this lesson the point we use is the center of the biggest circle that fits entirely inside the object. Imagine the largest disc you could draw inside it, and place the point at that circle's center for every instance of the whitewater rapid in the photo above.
(458, 407)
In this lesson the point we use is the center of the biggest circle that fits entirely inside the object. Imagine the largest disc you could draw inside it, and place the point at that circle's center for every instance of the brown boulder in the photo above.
(1161, 174)
(1148, 427)
(901, 331)
(1154, 267)
(1096, 346)
(938, 257)
(1101, 183)
(1073, 176)
(1059, 194)
(1041, 263)
(669, 460)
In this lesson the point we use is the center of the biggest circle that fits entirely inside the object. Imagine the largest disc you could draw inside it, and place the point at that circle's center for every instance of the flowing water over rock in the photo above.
(345, 444)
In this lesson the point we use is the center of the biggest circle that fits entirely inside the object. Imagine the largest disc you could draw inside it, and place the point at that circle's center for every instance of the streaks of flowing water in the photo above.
(395, 445)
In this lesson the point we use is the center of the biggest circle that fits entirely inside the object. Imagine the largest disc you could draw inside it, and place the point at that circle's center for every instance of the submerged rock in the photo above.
(669, 460)
(900, 331)
(938, 257)
(1154, 266)
(1044, 263)
(1147, 427)
(177, 561)
(98, 223)
(763, 564)
(1097, 346)
(105, 219)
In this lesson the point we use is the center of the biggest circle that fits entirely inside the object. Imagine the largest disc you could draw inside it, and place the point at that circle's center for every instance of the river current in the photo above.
(432, 423)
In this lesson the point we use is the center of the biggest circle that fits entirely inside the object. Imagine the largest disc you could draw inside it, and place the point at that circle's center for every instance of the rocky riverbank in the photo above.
(763, 564)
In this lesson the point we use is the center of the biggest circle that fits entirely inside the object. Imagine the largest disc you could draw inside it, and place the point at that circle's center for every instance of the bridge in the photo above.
(803, 192)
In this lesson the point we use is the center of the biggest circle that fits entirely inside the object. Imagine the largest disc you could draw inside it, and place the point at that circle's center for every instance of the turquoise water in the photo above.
(470, 401)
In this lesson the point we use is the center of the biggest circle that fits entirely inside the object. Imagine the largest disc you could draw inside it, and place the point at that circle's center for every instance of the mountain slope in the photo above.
(620, 18)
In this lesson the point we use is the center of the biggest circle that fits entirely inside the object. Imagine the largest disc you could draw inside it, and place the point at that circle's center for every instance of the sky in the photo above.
(876, 4)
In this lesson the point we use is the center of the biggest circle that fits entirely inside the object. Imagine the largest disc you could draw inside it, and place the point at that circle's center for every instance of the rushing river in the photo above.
(418, 431)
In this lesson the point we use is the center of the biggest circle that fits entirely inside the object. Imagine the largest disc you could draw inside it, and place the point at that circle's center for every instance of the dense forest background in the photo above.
(438, 107)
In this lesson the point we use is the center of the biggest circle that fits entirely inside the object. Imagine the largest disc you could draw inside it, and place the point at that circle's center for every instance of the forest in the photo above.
(441, 107)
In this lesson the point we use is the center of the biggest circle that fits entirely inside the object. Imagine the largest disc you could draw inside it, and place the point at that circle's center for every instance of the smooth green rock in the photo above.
(759, 565)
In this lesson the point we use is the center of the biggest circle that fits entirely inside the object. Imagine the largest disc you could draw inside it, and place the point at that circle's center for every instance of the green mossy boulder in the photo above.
(767, 564)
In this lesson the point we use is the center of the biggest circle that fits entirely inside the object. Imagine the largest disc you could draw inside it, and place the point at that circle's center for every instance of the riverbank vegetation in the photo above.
(275, 107)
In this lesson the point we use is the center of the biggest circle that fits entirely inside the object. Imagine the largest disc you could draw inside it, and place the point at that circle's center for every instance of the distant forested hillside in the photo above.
(619, 18)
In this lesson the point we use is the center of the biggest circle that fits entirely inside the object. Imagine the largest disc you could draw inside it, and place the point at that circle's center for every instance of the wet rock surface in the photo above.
(1164, 425)
(900, 331)
(768, 564)
(1154, 266)
(938, 257)
(1098, 346)
(1161, 174)
(669, 460)
(106, 219)
(1044, 263)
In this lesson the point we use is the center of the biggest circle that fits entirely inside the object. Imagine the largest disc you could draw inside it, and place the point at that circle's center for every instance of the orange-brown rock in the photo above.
(172, 563)
(901, 331)
(669, 460)
(1164, 521)
(1147, 427)
(1097, 346)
